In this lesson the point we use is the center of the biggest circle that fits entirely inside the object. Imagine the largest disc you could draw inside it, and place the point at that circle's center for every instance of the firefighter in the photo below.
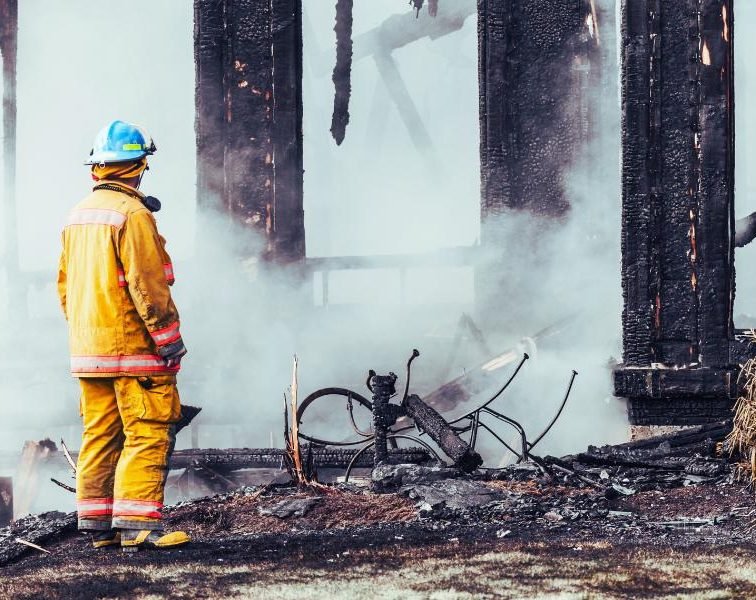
(125, 344)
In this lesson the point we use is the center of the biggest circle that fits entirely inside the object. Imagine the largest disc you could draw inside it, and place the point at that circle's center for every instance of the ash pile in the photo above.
(602, 475)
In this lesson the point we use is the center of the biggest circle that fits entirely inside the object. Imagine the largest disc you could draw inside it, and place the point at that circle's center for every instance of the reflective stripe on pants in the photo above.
(128, 438)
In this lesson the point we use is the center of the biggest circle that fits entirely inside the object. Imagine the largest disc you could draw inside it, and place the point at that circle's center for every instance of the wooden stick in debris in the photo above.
(25, 543)
(295, 450)
(559, 465)
(567, 471)
(229, 482)
(63, 485)
(67, 454)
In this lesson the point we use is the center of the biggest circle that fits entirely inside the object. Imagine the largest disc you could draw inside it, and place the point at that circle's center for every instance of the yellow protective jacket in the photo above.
(113, 285)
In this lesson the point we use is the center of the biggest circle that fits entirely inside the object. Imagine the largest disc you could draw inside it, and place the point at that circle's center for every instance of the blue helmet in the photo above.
(118, 142)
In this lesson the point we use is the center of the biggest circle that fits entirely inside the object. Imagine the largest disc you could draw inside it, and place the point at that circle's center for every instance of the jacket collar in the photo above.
(127, 189)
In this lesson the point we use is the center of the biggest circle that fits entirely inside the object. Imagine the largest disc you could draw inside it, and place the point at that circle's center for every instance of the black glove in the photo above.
(173, 353)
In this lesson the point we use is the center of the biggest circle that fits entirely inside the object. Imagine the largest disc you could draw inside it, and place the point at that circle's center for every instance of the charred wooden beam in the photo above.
(673, 442)
(9, 52)
(235, 459)
(434, 425)
(542, 96)
(342, 70)
(532, 58)
(248, 58)
(402, 29)
(408, 111)
(33, 456)
(680, 363)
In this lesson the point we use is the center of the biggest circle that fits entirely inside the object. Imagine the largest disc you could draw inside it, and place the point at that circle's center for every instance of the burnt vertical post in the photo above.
(288, 151)
(677, 211)
(9, 53)
(210, 118)
(383, 387)
(532, 57)
(6, 501)
(248, 58)
(538, 65)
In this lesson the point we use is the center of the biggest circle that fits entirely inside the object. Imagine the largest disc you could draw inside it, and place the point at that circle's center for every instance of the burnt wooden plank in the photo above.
(288, 215)
(249, 119)
(639, 317)
(209, 56)
(534, 56)
(678, 222)
(9, 245)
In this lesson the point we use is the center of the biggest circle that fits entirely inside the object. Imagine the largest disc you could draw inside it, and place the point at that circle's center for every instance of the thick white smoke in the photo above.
(376, 194)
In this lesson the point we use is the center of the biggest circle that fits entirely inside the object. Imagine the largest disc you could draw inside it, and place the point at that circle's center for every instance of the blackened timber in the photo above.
(639, 312)
(532, 55)
(9, 51)
(342, 70)
(400, 30)
(210, 120)
(434, 425)
(234, 459)
(249, 119)
(6, 501)
(679, 348)
(716, 273)
(288, 161)
(249, 109)
(677, 442)
(541, 85)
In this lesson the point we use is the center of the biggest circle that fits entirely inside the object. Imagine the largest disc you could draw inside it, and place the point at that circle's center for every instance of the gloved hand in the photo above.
(173, 353)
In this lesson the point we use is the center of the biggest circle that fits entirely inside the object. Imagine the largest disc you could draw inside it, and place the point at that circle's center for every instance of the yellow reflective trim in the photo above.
(131, 147)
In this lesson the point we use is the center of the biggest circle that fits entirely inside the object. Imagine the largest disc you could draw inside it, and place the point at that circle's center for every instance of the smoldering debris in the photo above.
(297, 507)
(640, 500)
(35, 529)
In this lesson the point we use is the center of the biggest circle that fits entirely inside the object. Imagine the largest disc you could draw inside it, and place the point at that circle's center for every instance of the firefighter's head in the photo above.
(120, 153)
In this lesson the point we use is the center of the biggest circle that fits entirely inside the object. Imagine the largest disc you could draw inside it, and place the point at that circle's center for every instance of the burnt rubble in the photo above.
(294, 507)
(673, 485)
(37, 529)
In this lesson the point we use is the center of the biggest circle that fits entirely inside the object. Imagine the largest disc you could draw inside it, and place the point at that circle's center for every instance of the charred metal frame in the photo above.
(678, 272)
(390, 421)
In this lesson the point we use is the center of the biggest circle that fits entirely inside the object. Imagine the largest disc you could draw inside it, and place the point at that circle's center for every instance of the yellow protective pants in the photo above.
(129, 433)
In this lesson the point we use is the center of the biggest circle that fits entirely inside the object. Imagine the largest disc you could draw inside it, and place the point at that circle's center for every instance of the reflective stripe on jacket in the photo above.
(113, 283)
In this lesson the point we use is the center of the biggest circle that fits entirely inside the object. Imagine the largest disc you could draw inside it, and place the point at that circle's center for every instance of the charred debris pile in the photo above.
(673, 484)
(435, 479)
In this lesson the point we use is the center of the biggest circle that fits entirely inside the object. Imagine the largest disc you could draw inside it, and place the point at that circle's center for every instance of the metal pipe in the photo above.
(559, 412)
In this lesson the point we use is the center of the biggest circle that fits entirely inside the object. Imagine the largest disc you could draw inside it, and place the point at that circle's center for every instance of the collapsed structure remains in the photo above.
(540, 65)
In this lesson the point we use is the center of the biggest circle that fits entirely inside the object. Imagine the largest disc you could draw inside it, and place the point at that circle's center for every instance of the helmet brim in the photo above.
(109, 158)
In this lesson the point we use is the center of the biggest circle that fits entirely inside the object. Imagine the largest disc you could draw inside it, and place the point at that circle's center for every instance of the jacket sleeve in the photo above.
(62, 279)
(140, 250)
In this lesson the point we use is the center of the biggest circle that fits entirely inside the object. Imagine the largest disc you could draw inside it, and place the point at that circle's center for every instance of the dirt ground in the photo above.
(504, 569)
(537, 542)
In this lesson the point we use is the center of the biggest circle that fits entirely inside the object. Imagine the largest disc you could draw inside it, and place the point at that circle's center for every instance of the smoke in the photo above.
(383, 191)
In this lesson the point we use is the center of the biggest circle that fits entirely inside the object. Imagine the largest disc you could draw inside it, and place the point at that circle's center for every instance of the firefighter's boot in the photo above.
(105, 539)
(133, 540)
